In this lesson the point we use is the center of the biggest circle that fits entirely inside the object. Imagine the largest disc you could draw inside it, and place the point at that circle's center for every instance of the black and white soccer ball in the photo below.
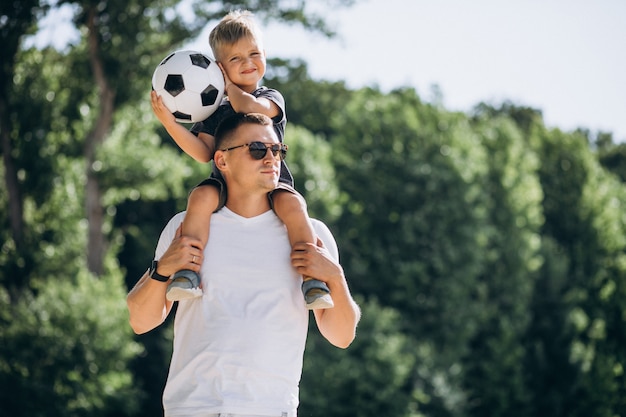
(191, 85)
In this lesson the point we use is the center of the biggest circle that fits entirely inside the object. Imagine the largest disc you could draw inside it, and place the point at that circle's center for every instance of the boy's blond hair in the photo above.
(236, 25)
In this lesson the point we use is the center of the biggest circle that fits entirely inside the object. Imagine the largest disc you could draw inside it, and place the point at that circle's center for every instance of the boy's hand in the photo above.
(160, 110)
(227, 81)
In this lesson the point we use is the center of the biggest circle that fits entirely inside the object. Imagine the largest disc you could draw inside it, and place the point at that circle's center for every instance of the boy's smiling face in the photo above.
(244, 63)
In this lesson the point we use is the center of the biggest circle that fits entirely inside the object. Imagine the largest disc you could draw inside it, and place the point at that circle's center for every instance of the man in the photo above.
(238, 349)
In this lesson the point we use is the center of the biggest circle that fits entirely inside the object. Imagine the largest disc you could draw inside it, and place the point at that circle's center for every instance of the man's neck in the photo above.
(248, 205)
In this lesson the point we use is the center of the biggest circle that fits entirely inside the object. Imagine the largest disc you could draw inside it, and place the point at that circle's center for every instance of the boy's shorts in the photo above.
(221, 186)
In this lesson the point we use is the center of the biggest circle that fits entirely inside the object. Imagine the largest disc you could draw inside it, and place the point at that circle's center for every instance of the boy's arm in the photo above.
(243, 102)
(200, 148)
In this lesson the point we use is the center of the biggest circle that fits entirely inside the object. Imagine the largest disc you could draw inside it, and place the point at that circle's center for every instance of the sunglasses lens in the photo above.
(283, 152)
(279, 150)
(275, 149)
(257, 150)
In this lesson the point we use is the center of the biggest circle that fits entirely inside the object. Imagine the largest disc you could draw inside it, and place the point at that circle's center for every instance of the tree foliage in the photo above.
(375, 373)
(64, 350)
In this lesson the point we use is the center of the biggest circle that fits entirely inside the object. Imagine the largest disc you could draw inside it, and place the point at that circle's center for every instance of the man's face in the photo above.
(242, 170)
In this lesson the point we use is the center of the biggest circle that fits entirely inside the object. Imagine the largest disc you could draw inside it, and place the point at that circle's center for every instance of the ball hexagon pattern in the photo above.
(191, 85)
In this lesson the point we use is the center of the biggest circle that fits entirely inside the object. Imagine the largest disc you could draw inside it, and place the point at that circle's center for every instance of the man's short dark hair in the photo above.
(225, 129)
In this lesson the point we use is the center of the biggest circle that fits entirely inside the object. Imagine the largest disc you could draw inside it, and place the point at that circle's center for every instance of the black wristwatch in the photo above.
(152, 273)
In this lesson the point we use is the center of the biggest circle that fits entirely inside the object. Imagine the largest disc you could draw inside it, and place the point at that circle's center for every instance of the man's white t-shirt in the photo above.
(238, 349)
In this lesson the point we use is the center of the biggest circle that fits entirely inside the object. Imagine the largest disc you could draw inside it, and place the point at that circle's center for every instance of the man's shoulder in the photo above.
(326, 236)
(177, 219)
(319, 225)
(172, 224)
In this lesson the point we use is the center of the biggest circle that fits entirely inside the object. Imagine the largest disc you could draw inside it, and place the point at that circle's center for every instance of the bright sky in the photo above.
(564, 57)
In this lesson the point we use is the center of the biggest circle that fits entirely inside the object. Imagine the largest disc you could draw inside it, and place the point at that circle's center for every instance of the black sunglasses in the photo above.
(258, 150)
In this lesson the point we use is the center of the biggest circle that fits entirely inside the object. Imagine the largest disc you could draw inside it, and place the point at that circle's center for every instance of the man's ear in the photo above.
(219, 159)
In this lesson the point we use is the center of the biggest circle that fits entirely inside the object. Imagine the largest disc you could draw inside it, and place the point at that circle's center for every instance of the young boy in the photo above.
(237, 45)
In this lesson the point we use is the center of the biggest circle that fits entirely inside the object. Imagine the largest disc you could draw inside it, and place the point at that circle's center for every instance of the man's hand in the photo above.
(337, 324)
(315, 261)
(183, 253)
(147, 305)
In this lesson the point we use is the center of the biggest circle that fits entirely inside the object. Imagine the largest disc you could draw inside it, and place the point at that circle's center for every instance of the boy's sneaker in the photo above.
(183, 286)
(316, 294)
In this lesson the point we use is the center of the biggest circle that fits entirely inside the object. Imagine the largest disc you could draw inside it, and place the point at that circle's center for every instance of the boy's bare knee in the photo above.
(205, 195)
(285, 200)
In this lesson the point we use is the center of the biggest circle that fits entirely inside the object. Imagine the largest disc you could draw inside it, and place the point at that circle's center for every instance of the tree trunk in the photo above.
(96, 243)
(10, 177)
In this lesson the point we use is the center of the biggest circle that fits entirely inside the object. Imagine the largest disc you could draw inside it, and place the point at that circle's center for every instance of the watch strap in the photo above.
(155, 275)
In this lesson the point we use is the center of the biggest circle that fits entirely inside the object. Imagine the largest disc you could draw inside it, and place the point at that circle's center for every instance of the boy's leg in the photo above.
(291, 208)
(203, 201)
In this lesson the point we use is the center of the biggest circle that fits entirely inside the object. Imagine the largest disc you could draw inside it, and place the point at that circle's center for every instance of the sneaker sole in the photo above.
(320, 303)
(177, 293)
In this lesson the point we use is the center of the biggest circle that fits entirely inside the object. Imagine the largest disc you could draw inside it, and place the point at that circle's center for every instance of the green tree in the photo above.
(494, 373)
(310, 161)
(16, 20)
(613, 159)
(310, 103)
(371, 378)
(64, 352)
(413, 226)
(577, 344)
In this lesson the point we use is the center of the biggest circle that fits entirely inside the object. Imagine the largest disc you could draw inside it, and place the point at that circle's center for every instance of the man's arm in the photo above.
(337, 324)
(147, 305)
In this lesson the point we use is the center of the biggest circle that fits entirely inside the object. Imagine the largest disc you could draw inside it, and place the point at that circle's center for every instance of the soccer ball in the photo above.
(191, 85)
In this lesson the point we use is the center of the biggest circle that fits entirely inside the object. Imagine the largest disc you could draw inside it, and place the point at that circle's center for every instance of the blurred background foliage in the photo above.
(487, 250)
